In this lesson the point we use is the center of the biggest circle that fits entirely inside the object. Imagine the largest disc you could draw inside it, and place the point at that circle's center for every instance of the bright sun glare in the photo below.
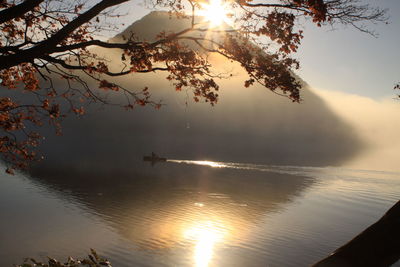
(215, 11)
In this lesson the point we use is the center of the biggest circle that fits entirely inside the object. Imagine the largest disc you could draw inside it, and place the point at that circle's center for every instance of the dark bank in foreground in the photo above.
(378, 245)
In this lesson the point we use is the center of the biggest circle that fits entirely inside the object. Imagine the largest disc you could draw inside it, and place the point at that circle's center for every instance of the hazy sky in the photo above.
(351, 61)
(344, 59)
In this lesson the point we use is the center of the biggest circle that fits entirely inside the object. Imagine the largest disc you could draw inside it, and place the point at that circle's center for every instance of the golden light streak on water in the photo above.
(205, 235)
(209, 163)
(202, 163)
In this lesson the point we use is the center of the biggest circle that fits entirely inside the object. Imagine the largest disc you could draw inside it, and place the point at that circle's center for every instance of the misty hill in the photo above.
(149, 26)
(247, 125)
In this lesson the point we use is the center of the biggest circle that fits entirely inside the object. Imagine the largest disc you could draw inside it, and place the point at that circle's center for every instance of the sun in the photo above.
(215, 11)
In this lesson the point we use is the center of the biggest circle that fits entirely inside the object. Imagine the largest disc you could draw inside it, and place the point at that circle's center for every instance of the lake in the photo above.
(191, 213)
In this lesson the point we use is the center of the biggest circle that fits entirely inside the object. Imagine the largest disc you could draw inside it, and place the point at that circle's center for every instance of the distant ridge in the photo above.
(148, 27)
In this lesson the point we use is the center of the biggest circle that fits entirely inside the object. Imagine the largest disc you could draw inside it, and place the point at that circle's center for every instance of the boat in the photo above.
(154, 158)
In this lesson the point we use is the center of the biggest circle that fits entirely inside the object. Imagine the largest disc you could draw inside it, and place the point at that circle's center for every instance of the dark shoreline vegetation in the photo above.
(92, 260)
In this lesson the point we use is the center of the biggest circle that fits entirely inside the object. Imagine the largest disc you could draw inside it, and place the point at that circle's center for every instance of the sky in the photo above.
(341, 59)
(348, 60)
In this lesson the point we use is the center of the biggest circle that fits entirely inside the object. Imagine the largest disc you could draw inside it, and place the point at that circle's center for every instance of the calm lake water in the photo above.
(192, 213)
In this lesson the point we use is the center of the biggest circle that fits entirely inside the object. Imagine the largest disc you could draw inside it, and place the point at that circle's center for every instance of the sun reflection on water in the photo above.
(205, 235)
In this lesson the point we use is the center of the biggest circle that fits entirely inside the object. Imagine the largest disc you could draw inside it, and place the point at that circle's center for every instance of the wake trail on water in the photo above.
(282, 169)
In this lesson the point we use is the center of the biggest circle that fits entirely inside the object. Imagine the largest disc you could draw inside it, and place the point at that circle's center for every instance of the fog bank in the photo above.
(377, 122)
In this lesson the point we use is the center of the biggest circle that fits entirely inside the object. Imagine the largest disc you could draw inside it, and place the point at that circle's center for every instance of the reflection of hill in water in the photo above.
(156, 208)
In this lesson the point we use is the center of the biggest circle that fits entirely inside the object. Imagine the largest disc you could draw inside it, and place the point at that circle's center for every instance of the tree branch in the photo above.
(18, 10)
(49, 45)
(108, 73)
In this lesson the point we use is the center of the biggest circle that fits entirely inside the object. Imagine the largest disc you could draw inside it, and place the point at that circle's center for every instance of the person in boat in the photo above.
(154, 157)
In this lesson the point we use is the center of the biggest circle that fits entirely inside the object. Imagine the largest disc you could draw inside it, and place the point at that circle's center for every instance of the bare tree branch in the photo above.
(18, 10)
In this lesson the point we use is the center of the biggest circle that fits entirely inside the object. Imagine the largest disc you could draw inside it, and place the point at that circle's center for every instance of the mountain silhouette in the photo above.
(246, 125)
